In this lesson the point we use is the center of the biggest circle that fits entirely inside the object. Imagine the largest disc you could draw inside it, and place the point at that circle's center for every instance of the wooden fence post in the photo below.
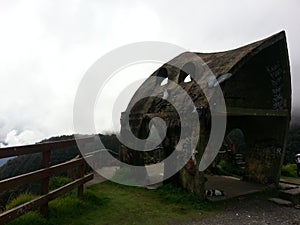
(43, 175)
(80, 175)
(45, 183)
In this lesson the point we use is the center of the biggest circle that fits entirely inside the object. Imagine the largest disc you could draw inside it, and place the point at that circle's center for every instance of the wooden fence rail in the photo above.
(43, 175)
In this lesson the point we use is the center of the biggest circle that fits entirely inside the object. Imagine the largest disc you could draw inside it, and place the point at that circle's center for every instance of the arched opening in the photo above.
(164, 82)
(163, 73)
(186, 73)
(230, 160)
(225, 177)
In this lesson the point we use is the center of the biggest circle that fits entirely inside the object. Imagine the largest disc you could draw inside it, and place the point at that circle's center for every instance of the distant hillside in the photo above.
(2, 161)
(27, 163)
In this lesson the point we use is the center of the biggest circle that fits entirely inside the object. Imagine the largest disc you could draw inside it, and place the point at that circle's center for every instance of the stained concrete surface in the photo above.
(232, 186)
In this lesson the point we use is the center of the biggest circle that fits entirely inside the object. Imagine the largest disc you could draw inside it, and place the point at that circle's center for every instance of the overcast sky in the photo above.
(47, 46)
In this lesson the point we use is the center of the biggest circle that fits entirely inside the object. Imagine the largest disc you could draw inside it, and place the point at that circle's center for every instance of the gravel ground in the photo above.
(250, 211)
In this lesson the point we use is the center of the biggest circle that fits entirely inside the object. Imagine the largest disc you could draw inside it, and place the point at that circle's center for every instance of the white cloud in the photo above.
(14, 138)
(112, 100)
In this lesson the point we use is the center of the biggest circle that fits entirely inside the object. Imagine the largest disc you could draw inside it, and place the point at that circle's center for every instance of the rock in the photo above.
(292, 195)
(280, 201)
(294, 191)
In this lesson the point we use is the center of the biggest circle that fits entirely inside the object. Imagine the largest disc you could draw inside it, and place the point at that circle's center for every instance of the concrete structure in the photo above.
(258, 102)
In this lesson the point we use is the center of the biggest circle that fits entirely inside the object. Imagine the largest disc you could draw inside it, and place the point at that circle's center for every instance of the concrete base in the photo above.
(232, 187)
(292, 195)
(280, 201)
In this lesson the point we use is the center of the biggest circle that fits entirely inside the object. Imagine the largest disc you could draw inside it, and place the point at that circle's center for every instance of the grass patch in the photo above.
(31, 218)
(21, 199)
(227, 169)
(110, 203)
(168, 194)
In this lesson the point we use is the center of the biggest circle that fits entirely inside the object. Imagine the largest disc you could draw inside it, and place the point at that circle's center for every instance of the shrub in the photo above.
(227, 169)
(289, 170)
(57, 182)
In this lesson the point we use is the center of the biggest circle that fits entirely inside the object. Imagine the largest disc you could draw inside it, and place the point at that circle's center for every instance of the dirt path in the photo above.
(250, 211)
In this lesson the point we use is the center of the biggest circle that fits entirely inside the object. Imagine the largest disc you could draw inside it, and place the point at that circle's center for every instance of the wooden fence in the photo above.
(43, 175)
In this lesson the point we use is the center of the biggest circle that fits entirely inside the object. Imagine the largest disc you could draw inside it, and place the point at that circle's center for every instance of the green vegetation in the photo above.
(227, 169)
(19, 201)
(177, 196)
(57, 182)
(109, 203)
(289, 170)
(31, 218)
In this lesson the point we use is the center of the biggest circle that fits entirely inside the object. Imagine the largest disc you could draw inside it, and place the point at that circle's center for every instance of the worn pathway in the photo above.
(249, 211)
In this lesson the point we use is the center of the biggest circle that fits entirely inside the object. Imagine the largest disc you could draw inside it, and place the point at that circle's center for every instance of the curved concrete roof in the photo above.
(230, 61)
(219, 63)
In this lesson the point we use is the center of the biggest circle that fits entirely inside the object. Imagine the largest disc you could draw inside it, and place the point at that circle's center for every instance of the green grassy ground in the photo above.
(109, 203)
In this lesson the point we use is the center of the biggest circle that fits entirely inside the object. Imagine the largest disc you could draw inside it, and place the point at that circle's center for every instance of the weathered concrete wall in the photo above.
(265, 139)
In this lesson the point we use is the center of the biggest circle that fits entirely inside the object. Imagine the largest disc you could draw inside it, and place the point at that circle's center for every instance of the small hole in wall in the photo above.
(187, 79)
(185, 74)
(164, 82)
(163, 73)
